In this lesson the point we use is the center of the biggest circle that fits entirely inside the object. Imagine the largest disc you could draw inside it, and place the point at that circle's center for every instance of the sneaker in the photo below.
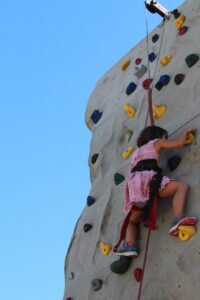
(127, 250)
(181, 220)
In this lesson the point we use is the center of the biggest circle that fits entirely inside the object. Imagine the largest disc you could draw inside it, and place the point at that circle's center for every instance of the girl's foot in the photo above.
(181, 220)
(126, 250)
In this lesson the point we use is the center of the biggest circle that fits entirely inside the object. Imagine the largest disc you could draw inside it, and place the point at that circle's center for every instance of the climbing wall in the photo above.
(117, 111)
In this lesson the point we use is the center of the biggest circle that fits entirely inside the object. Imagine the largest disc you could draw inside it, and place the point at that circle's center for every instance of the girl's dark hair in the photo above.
(151, 133)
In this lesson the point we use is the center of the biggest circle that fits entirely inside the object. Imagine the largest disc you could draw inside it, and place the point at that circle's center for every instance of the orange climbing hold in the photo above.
(159, 111)
(128, 152)
(190, 138)
(105, 248)
(130, 110)
(179, 22)
(125, 64)
(186, 232)
(165, 60)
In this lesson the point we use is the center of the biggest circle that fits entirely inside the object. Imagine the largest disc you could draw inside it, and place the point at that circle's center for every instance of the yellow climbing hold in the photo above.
(190, 139)
(165, 60)
(180, 21)
(128, 152)
(105, 248)
(130, 110)
(186, 232)
(159, 111)
(125, 64)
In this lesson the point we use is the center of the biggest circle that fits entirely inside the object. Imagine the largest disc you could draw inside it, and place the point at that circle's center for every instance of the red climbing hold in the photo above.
(146, 83)
(138, 61)
(183, 30)
(138, 274)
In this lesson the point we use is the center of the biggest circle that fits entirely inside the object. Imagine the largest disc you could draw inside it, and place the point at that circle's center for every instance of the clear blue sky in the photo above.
(51, 55)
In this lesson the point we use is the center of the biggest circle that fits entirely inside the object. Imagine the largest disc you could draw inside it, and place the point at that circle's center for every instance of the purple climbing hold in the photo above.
(146, 83)
(96, 116)
(94, 158)
(178, 79)
(152, 56)
(173, 162)
(155, 37)
(96, 284)
(87, 227)
(131, 88)
(176, 13)
(90, 200)
(183, 30)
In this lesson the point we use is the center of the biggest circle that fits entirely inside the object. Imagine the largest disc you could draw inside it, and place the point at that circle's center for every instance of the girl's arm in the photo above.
(175, 143)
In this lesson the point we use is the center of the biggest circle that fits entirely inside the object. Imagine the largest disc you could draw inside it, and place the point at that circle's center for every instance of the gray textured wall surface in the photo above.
(173, 268)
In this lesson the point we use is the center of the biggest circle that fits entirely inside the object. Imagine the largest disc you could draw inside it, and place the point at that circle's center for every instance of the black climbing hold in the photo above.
(178, 79)
(155, 37)
(138, 274)
(96, 116)
(146, 83)
(176, 13)
(173, 162)
(118, 178)
(183, 30)
(96, 284)
(138, 61)
(164, 79)
(152, 56)
(121, 265)
(191, 59)
(90, 200)
(70, 276)
(69, 298)
(131, 88)
(87, 227)
(94, 158)
(159, 85)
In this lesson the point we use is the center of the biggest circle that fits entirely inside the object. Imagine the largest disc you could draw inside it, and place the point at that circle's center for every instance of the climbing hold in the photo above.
(129, 109)
(128, 135)
(96, 284)
(173, 162)
(128, 152)
(159, 111)
(179, 22)
(191, 59)
(146, 83)
(164, 79)
(121, 265)
(125, 64)
(178, 79)
(69, 298)
(118, 178)
(155, 37)
(140, 71)
(131, 88)
(90, 200)
(165, 60)
(183, 30)
(159, 85)
(186, 232)
(96, 116)
(87, 227)
(70, 276)
(138, 61)
(176, 13)
(152, 56)
(94, 158)
(138, 274)
(190, 139)
(105, 248)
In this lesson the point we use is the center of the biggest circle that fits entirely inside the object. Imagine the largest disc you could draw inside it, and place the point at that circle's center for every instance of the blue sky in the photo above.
(51, 55)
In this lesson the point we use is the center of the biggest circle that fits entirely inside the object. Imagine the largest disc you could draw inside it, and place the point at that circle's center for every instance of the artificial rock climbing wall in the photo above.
(116, 113)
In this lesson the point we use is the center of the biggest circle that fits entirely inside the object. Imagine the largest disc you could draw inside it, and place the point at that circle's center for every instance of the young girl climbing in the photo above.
(144, 167)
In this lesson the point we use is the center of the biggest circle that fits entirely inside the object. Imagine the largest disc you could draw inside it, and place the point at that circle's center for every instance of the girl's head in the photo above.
(151, 133)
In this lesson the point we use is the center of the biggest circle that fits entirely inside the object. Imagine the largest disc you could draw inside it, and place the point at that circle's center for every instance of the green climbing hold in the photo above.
(191, 60)
(121, 265)
(118, 178)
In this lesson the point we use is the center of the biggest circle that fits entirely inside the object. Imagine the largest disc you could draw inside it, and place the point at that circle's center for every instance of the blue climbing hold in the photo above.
(90, 200)
(164, 79)
(173, 162)
(131, 88)
(152, 56)
(96, 116)
(159, 85)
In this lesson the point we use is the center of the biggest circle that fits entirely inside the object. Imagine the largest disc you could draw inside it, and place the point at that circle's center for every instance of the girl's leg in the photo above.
(177, 190)
(133, 228)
